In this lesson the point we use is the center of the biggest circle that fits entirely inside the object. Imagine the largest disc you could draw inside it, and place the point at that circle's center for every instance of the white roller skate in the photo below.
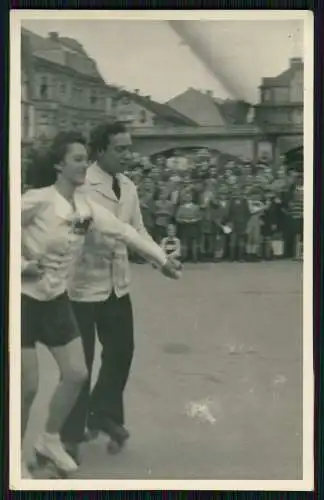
(50, 454)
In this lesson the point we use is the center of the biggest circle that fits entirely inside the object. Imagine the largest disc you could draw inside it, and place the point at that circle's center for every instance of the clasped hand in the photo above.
(172, 268)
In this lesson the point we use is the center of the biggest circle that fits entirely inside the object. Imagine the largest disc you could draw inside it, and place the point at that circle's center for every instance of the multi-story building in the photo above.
(66, 91)
(280, 111)
(64, 85)
(281, 97)
(27, 106)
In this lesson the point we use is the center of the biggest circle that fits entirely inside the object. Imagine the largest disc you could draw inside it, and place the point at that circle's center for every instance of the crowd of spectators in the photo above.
(203, 208)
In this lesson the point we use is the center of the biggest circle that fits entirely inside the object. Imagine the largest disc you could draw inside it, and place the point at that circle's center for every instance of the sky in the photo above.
(151, 56)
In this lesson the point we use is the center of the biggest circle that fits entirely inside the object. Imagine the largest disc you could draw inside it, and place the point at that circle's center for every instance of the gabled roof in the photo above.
(46, 48)
(197, 106)
(72, 44)
(37, 42)
(219, 108)
(162, 110)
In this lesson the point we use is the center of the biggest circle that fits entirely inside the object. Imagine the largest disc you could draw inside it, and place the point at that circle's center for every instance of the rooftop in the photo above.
(162, 110)
(62, 51)
(230, 111)
(284, 78)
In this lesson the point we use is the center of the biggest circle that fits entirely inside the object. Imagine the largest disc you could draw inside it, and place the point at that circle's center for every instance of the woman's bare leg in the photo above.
(73, 371)
(71, 362)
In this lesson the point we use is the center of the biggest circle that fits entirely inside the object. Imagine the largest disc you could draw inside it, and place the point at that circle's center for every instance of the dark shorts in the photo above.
(51, 323)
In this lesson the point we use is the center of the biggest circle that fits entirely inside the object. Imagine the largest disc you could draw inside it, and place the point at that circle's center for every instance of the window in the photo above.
(282, 94)
(101, 102)
(143, 117)
(63, 125)
(44, 88)
(24, 87)
(44, 119)
(281, 116)
(93, 97)
(266, 95)
(43, 124)
(297, 116)
(297, 91)
(114, 101)
(62, 90)
(76, 94)
(108, 104)
(157, 121)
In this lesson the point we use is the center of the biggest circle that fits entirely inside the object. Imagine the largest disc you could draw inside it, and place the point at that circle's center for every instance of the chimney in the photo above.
(209, 93)
(53, 35)
(137, 91)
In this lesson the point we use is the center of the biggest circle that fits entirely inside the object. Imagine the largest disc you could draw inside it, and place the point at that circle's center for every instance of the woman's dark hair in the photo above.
(41, 170)
(100, 137)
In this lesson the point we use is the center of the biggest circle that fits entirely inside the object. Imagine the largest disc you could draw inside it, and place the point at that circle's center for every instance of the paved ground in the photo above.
(215, 390)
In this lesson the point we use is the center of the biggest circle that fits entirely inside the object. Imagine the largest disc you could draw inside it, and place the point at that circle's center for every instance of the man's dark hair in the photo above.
(100, 137)
(41, 171)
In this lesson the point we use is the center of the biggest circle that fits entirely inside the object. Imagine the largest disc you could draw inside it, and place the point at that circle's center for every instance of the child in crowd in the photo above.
(188, 218)
(220, 207)
(238, 216)
(164, 212)
(171, 244)
(269, 223)
(253, 228)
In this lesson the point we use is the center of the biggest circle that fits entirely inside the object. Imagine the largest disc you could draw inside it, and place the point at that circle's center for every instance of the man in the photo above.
(99, 291)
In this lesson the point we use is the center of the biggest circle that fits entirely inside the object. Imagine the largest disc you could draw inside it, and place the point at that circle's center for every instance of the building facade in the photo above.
(282, 97)
(27, 105)
(64, 86)
(281, 108)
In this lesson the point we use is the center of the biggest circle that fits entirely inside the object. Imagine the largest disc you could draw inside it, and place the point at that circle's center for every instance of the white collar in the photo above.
(96, 175)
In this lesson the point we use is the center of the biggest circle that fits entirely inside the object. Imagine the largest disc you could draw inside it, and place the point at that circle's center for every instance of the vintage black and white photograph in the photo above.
(161, 188)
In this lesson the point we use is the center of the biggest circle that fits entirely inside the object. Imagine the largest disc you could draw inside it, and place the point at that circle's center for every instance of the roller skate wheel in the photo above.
(46, 467)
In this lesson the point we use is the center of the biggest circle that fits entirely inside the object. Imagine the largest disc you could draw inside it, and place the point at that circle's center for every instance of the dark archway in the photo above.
(295, 158)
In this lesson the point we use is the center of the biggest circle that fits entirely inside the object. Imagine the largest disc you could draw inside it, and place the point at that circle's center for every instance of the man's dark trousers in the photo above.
(113, 320)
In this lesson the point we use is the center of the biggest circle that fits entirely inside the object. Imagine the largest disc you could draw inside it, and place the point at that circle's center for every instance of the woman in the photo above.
(164, 212)
(55, 218)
